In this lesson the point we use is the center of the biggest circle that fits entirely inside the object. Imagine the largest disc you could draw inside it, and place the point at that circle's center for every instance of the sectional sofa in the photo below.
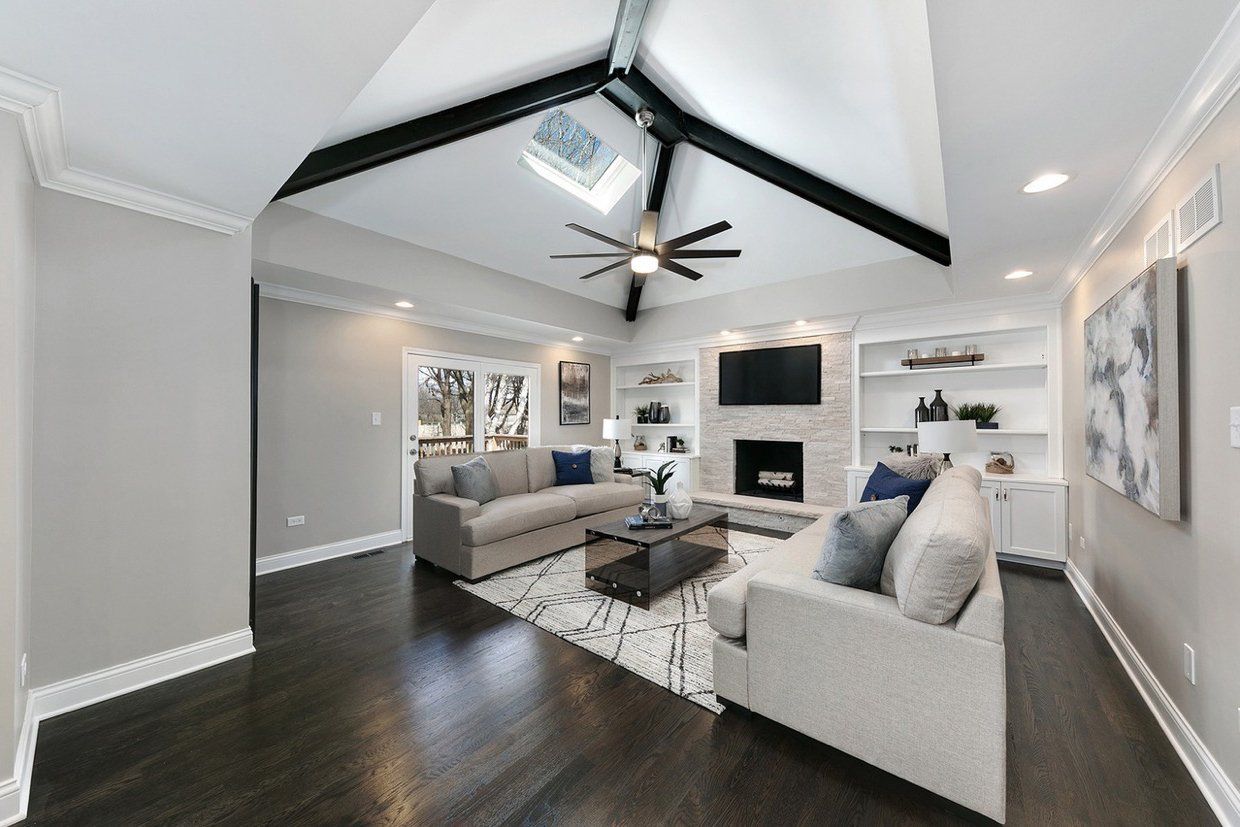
(923, 700)
(532, 516)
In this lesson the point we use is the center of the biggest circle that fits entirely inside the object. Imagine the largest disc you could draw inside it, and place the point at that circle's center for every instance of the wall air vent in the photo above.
(1198, 212)
(1160, 241)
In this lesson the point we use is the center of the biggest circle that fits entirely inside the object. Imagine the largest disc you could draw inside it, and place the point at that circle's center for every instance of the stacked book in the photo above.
(638, 521)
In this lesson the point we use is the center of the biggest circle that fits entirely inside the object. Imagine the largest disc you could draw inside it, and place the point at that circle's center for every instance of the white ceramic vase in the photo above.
(679, 504)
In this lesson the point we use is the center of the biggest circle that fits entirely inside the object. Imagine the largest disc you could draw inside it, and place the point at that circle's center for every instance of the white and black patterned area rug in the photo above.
(668, 644)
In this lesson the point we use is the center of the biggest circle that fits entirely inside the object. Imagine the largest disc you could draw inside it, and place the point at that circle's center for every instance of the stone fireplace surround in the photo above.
(825, 430)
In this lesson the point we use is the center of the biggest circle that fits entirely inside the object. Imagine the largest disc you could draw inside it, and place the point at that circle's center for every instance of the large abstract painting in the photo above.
(574, 393)
(1132, 393)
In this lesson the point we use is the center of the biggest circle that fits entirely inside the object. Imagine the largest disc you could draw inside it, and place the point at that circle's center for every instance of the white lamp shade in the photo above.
(617, 428)
(956, 436)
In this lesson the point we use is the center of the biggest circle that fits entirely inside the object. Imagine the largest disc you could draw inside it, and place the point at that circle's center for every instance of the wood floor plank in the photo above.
(382, 694)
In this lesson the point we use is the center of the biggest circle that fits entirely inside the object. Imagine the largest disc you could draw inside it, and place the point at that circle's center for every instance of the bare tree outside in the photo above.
(446, 398)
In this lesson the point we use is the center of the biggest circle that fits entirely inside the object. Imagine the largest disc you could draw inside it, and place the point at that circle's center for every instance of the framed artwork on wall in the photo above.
(1132, 391)
(574, 393)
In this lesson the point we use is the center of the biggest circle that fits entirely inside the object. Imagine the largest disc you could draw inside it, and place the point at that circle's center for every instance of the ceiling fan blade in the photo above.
(628, 248)
(588, 255)
(679, 269)
(646, 232)
(703, 254)
(690, 238)
(602, 270)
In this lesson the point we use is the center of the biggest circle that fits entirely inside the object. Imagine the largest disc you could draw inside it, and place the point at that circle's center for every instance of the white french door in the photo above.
(455, 404)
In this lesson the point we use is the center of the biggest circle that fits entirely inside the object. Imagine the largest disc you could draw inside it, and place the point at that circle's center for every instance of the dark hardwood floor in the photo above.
(382, 694)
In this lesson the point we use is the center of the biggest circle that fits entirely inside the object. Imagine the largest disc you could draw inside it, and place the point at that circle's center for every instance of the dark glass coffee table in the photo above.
(634, 564)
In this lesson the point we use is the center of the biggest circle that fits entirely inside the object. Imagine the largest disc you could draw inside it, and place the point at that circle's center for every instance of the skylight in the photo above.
(569, 155)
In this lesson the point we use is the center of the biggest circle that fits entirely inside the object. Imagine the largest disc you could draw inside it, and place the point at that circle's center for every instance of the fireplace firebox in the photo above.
(769, 468)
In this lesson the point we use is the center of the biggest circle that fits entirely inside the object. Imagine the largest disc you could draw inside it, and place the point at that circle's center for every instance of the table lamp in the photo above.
(617, 429)
(944, 437)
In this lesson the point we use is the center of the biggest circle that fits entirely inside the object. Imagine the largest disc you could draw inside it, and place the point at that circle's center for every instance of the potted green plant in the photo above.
(642, 412)
(982, 414)
(660, 480)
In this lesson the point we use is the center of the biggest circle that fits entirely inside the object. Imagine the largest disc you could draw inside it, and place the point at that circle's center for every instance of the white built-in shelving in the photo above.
(1019, 374)
(681, 397)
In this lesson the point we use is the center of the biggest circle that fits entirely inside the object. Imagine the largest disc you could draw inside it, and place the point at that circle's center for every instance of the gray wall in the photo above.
(141, 500)
(825, 430)
(321, 374)
(1168, 583)
(17, 273)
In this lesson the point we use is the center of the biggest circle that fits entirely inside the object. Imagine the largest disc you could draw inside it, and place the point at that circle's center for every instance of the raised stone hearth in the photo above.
(823, 430)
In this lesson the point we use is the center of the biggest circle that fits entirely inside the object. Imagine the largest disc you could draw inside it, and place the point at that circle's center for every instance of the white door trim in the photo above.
(408, 417)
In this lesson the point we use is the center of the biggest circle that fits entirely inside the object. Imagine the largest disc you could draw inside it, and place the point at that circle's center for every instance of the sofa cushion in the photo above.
(541, 467)
(725, 602)
(433, 475)
(517, 514)
(474, 480)
(938, 555)
(885, 484)
(857, 542)
(600, 496)
(572, 468)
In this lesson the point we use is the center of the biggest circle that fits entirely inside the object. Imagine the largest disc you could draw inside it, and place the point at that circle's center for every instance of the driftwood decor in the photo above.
(664, 378)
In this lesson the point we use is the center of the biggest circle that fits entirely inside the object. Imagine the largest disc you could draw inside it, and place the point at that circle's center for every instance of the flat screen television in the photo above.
(771, 376)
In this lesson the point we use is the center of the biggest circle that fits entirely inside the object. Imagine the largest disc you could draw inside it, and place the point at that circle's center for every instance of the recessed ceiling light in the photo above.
(404, 305)
(578, 339)
(725, 333)
(800, 323)
(1018, 274)
(1045, 182)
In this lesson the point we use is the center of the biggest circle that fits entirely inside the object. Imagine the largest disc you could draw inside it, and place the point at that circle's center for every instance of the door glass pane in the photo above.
(506, 417)
(445, 411)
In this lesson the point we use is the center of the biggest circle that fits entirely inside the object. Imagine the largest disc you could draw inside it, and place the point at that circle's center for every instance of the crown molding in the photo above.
(37, 107)
(1211, 86)
(299, 296)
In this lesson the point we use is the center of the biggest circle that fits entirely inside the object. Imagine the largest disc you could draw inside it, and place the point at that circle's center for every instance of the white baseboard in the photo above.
(315, 554)
(65, 696)
(1218, 789)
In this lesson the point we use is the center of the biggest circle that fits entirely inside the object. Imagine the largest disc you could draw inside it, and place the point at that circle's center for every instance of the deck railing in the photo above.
(443, 446)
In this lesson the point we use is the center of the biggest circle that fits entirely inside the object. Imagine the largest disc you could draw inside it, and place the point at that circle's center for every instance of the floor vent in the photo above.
(367, 554)
(1198, 212)
(1158, 242)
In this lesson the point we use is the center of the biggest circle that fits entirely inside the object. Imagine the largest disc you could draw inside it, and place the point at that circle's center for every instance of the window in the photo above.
(567, 154)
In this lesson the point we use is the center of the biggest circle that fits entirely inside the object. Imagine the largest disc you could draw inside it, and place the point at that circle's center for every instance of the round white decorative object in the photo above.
(679, 504)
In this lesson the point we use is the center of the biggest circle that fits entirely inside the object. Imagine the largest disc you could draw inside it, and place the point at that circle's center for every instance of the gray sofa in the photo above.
(531, 517)
(850, 668)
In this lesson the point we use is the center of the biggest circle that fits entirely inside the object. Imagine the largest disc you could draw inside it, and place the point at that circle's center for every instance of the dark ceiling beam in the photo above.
(831, 197)
(654, 201)
(420, 134)
(626, 34)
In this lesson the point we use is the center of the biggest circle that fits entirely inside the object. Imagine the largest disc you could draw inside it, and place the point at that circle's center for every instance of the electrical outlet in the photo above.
(376, 418)
(1190, 664)
(1235, 427)
(292, 521)
(1081, 542)
(25, 669)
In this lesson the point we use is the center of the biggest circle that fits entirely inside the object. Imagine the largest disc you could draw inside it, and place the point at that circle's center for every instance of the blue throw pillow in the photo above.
(572, 468)
(885, 484)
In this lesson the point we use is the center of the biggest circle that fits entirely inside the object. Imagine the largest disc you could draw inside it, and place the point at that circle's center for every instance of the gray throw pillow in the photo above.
(475, 480)
(919, 467)
(857, 542)
(602, 462)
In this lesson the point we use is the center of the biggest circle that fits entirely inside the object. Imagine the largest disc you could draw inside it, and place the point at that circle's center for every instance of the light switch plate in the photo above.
(1235, 427)
(1190, 664)
(376, 418)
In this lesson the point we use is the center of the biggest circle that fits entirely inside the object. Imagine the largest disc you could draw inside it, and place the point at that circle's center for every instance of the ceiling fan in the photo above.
(646, 255)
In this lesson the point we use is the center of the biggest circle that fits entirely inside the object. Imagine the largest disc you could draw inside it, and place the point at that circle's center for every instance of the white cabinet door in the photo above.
(856, 484)
(1033, 520)
(681, 474)
(991, 491)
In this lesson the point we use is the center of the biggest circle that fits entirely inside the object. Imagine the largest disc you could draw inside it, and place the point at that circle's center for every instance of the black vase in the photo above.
(665, 415)
(938, 408)
(921, 413)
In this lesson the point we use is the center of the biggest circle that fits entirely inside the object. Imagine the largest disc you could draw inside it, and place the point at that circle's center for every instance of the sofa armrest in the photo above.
(843, 665)
(437, 521)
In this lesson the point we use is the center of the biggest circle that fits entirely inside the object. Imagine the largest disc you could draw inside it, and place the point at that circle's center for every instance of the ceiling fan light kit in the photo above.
(644, 263)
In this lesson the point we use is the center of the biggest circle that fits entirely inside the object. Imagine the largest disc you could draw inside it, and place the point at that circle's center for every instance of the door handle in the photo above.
(413, 452)
(413, 437)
